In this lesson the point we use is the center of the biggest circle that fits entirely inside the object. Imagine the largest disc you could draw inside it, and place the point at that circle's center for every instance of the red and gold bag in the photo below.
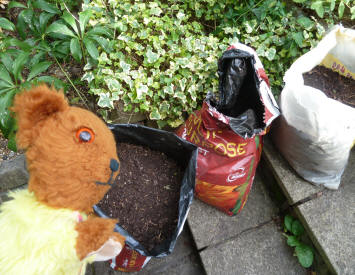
(228, 130)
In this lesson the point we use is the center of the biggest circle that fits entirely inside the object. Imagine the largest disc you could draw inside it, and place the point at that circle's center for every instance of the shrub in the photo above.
(162, 62)
(165, 53)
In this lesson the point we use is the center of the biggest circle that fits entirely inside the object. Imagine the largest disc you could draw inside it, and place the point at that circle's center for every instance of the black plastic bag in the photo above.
(185, 154)
(239, 93)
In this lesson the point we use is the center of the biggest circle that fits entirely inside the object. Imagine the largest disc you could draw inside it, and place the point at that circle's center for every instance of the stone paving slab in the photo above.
(184, 260)
(259, 251)
(13, 173)
(210, 226)
(293, 186)
(330, 222)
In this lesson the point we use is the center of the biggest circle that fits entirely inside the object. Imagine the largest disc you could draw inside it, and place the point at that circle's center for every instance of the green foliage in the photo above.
(334, 9)
(293, 232)
(165, 53)
(160, 57)
(12, 81)
(23, 61)
(80, 37)
(162, 61)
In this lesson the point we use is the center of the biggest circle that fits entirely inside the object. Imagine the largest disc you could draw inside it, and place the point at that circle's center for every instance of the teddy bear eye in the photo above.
(85, 135)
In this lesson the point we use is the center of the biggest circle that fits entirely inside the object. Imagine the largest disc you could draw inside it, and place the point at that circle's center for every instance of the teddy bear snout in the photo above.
(114, 165)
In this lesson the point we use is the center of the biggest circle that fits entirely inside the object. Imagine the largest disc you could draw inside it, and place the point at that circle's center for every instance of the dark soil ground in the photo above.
(146, 194)
(332, 84)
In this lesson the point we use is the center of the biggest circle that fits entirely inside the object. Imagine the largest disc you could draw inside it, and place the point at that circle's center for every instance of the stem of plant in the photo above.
(77, 91)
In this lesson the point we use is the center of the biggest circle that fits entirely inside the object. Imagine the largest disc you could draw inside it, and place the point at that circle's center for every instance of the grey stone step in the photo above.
(328, 219)
(13, 173)
(210, 226)
(259, 251)
(248, 243)
(294, 187)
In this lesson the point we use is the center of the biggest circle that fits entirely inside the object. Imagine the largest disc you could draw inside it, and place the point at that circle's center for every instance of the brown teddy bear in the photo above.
(50, 228)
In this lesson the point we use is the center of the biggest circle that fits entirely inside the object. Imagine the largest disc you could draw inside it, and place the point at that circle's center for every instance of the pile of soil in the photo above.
(332, 84)
(145, 195)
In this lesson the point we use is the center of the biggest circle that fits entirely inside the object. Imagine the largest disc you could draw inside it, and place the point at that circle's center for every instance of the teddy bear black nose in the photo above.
(114, 165)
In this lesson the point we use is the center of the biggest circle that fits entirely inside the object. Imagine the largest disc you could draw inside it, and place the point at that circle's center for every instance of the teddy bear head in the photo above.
(70, 152)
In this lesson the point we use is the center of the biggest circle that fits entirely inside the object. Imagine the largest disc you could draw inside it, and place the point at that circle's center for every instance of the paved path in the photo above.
(214, 243)
(327, 215)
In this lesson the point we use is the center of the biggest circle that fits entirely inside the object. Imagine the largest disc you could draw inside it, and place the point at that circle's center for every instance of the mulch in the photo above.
(332, 84)
(146, 194)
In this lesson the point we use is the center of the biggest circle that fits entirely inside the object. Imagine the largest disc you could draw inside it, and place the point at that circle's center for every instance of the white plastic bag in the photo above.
(315, 133)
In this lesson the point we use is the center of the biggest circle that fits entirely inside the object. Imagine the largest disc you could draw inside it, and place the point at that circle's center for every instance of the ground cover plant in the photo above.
(293, 232)
(158, 57)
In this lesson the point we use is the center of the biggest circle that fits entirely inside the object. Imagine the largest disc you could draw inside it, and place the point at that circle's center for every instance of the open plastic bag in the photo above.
(315, 133)
(134, 256)
(229, 129)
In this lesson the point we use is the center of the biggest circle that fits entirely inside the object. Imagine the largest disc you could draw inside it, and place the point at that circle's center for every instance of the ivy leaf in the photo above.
(155, 115)
(156, 11)
(297, 228)
(341, 9)
(305, 255)
(88, 76)
(113, 84)
(105, 101)
(125, 67)
(141, 90)
(151, 56)
(270, 53)
(305, 22)
(7, 24)
(318, 7)
(293, 241)
(38, 68)
(75, 49)
(288, 222)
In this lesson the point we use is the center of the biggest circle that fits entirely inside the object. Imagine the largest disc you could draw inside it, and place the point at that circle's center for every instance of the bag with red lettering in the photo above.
(229, 129)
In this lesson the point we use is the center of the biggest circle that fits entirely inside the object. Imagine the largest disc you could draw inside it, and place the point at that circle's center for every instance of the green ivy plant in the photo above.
(162, 62)
(293, 232)
(165, 53)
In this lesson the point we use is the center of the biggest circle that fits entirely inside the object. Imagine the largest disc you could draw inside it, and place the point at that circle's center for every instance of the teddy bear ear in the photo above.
(34, 106)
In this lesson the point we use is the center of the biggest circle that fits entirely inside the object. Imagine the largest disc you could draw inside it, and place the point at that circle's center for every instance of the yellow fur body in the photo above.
(39, 237)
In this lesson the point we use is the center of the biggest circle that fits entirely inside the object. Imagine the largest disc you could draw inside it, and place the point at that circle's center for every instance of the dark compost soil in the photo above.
(332, 84)
(145, 195)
